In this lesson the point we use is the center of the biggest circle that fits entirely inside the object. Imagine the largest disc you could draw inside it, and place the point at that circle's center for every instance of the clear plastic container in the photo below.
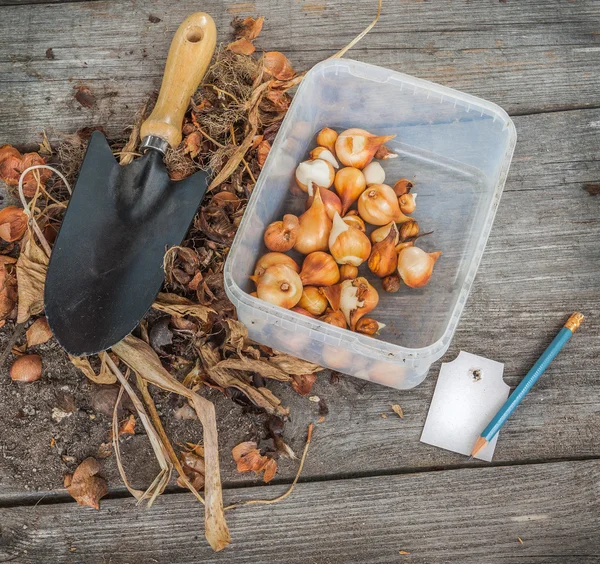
(455, 147)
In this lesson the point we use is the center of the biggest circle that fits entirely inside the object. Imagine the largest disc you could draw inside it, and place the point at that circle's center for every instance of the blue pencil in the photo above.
(527, 383)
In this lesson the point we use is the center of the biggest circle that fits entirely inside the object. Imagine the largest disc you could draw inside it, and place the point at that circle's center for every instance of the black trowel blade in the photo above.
(106, 266)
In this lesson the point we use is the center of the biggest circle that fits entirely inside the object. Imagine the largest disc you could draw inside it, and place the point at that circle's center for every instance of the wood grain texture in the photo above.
(450, 516)
(541, 263)
(527, 57)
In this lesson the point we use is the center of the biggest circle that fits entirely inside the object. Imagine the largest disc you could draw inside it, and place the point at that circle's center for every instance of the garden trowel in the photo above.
(106, 266)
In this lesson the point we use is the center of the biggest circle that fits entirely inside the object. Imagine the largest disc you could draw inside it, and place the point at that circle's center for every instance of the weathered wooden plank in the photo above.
(474, 515)
(541, 263)
(528, 57)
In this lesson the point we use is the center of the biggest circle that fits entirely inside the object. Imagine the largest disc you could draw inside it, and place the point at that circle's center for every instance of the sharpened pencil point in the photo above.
(479, 445)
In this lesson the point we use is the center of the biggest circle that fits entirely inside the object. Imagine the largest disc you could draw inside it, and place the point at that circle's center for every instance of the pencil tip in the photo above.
(479, 445)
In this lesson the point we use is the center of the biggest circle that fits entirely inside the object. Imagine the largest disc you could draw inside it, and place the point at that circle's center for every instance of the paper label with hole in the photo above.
(469, 392)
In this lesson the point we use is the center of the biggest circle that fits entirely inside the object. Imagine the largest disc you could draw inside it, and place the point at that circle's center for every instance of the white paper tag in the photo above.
(469, 392)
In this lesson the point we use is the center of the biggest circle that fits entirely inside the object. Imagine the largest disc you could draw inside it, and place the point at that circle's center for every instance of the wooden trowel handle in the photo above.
(189, 56)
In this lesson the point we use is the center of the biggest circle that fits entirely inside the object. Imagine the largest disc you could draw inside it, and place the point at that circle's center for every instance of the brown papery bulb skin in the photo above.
(415, 266)
(314, 229)
(384, 260)
(368, 326)
(347, 244)
(384, 154)
(408, 203)
(271, 259)
(281, 236)
(391, 283)
(27, 368)
(335, 318)
(348, 272)
(357, 298)
(378, 205)
(349, 183)
(409, 230)
(327, 138)
(403, 186)
(313, 301)
(330, 199)
(319, 269)
(357, 147)
(354, 220)
(280, 285)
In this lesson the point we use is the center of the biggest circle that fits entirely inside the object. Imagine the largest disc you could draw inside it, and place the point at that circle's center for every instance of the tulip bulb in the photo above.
(349, 183)
(347, 244)
(354, 220)
(281, 236)
(327, 138)
(403, 186)
(317, 172)
(357, 298)
(314, 229)
(382, 232)
(384, 260)
(368, 326)
(379, 205)
(408, 203)
(391, 283)
(348, 272)
(271, 259)
(313, 301)
(319, 269)
(331, 201)
(302, 311)
(325, 155)
(357, 147)
(374, 173)
(415, 266)
(409, 230)
(404, 245)
(280, 285)
(335, 318)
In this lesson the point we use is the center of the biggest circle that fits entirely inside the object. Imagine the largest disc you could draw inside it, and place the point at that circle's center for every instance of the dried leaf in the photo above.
(38, 333)
(398, 410)
(278, 65)
(127, 427)
(248, 28)
(85, 486)
(249, 459)
(8, 287)
(84, 96)
(241, 47)
(31, 276)
(264, 368)
(192, 144)
(178, 306)
(83, 364)
(262, 152)
(146, 364)
(30, 182)
(45, 147)
(294, 366)
(236, 334)
(303, 383)
(13, 223)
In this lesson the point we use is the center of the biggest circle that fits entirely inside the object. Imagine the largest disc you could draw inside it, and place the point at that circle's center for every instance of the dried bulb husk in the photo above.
(280, 285)
(27, 368)
(357, 147)
(319, 269)
(415, 266)
(369, 326)
(325, 155)
(13, 223)
(327, 138)
(313, 300)
(317, 172)
(384, 259)
(349, 183)
(302, 311)
(277, 64)
(391, 283)
(347, 244)
(408, 203)
(354, 220)
(330, 199)
(409, 230)
(378, 205)
(381, 233)
(403, 186)
(314, 229)
(348, 272)
(384, 154)
(271, 259)
(357, 298)
(374, 173)
(404, 245)
(335, 318)
(281, 236)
